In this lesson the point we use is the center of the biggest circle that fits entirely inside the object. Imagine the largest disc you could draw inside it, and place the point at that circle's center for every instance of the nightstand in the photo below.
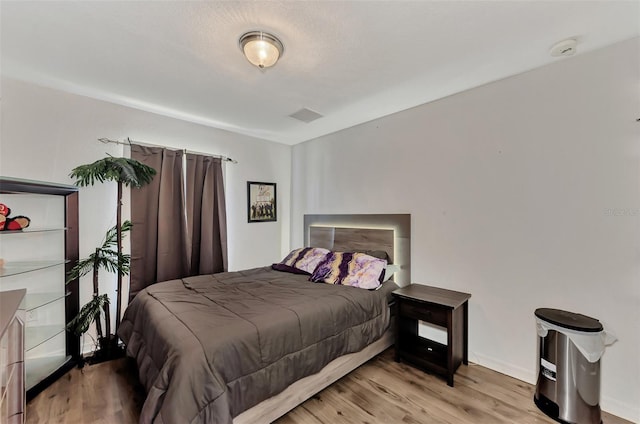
(444, 308)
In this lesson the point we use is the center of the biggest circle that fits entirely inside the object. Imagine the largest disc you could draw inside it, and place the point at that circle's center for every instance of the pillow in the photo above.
(350, 269)
(380, 254)
(302, 261)
(389, 270)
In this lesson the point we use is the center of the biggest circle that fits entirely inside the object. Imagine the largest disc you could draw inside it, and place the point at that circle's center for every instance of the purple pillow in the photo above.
(302, 261)
(350, 269)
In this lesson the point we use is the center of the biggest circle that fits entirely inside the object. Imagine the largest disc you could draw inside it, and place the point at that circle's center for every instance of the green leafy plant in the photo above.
(88, 314)
(106, 257)
(126, 172)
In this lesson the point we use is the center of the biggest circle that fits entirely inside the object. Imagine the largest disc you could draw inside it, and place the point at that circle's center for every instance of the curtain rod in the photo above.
(128, 142)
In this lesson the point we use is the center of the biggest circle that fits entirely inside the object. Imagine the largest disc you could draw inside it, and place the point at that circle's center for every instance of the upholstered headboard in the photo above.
(388, 232)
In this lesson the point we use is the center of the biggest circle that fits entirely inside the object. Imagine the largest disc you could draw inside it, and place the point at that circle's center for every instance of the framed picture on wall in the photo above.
(261, 202)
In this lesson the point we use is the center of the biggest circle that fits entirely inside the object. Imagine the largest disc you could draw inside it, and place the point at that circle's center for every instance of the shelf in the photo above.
(50, 242)
(35, 336)
(424, 350)
(38, 300)
(15, 268)
(40, 368)
(24, 186)
(29, 230)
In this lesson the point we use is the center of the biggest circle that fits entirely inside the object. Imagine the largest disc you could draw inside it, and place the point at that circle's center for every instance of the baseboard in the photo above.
(506, 368)
(620, 409)
(610, 405)
(88, 348)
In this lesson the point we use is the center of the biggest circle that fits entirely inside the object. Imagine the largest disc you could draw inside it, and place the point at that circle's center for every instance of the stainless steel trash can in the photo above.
(568, 387)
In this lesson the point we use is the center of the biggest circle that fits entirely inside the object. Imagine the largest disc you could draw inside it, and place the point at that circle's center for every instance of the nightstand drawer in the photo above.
(425, 312)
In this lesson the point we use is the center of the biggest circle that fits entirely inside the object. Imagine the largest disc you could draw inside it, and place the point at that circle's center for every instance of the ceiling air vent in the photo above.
(306, 115)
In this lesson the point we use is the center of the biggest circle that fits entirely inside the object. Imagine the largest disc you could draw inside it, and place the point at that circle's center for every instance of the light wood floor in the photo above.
(379, 392)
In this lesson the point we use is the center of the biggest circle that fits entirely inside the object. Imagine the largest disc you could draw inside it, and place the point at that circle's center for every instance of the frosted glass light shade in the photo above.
(261, 49)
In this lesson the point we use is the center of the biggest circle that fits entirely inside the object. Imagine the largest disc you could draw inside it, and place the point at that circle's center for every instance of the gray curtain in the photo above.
(176, 233)
(159, 234)
(206, 215)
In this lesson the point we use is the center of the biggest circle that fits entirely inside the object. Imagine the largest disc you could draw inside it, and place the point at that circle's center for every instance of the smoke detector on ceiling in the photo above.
(564, 48)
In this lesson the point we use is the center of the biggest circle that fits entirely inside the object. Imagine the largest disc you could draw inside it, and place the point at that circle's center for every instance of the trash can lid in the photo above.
(569, 320)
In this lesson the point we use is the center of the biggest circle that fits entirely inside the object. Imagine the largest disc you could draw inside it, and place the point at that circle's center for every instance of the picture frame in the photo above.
(262, 202)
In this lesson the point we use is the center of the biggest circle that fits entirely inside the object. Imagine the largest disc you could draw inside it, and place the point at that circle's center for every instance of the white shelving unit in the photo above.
(38, 259)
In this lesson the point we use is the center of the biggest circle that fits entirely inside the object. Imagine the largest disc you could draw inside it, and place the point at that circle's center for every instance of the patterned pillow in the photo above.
(380, 254)
(302, 261)
(350, 269)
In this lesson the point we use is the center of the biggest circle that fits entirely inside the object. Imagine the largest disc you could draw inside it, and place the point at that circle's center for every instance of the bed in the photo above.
(248, 346)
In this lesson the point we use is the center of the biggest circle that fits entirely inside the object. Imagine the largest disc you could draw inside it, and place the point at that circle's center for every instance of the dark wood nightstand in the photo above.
(441, 307)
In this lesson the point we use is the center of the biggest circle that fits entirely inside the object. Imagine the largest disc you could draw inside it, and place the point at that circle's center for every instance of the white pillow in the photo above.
(389, 271)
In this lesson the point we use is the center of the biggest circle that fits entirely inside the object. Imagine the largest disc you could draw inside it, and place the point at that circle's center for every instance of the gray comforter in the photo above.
(210, 347)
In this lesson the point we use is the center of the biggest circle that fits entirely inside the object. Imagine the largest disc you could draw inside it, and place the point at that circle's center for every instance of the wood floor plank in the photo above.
(394, 393)
(300, 415)
(379, 392)
(103, 393)
(439, 400)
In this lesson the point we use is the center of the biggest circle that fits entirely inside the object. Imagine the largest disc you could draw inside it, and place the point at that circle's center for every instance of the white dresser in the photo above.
(12, 392)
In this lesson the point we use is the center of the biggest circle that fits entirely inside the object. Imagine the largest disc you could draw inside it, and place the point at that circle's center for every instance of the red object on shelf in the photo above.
(12, 224)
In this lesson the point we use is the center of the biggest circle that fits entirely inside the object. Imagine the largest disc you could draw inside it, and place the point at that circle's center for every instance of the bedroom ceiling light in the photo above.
(261, 49)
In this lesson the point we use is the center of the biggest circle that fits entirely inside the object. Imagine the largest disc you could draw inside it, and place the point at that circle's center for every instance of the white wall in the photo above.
(524, 192)
(45, 133)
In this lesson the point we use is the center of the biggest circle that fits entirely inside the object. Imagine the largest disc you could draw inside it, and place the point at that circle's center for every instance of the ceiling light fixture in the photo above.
(261, 49)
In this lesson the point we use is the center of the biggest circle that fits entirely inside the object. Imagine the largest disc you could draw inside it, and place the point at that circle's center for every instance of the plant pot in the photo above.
(109, 349)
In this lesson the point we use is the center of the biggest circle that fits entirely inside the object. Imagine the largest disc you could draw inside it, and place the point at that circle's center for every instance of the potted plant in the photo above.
(125, 172)
(106, 257)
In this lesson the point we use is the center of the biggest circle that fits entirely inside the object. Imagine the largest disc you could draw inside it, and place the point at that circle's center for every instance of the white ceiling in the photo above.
(351, 61)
